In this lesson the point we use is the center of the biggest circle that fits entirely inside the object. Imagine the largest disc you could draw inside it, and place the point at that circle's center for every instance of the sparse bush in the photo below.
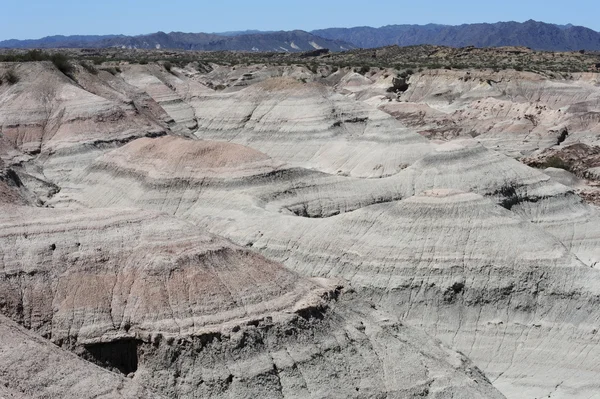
(364, 69)
(143, 61)
(35, 55)
(62, 63)
(167, 65)
(89, 67)
(11, 77)
(111, 70)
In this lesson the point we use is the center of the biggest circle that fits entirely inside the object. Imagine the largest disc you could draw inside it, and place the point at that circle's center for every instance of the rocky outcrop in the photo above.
(308, 125)
(169, 91)
(191, 315)
(474, 271)
(47, 112)
(514, 112)
(32, 367)
(380, 234)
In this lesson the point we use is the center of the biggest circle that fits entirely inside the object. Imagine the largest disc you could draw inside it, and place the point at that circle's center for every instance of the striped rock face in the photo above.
(150, 296)
(283, 237)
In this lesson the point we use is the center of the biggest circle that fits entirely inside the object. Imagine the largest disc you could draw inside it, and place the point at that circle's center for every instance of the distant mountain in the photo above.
(292, 41)
(533, 34)
(56, 41)
(242, 32)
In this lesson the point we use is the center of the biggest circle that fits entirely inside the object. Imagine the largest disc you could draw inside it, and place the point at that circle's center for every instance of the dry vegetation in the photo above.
(401, 58)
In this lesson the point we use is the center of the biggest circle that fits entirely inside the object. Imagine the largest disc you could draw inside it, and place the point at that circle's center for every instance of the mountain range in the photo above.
(283, 41)
(533, 34)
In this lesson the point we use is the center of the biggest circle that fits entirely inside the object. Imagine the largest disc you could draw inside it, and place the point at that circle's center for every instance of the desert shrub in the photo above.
(89, 67)
(111, 70)
(11, 77)
(62, 63)
(143, 61)
(167, 65)
(363, 69)
(35, 55)
(410, 72)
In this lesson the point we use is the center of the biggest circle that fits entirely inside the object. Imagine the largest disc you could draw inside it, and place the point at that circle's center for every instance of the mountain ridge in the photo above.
(282, 41)
(534, 34)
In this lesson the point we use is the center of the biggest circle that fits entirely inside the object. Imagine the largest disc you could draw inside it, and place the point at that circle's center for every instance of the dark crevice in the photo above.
(563, 136)
(119, 356)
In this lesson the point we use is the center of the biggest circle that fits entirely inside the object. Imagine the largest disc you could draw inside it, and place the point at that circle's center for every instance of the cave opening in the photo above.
(121, 356)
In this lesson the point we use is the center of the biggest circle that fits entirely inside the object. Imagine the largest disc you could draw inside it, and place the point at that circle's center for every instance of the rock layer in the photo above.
(32, 367)
(192, 315)
(473, 271)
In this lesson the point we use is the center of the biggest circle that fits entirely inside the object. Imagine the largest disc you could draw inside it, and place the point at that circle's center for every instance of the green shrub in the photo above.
(167, 65)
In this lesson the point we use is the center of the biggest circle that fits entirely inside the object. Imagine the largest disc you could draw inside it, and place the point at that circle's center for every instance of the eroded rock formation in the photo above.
(377, 235)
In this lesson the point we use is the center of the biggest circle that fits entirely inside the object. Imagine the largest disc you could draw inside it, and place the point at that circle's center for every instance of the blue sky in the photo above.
(24, 19)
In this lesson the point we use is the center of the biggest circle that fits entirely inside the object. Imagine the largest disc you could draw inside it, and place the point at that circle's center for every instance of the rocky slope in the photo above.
(190, 315)
(329, 133)
(377, 235)
(32, 367)
(418, 257)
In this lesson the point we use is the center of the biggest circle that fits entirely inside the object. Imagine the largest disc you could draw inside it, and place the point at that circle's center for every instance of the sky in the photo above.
(32, 19)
